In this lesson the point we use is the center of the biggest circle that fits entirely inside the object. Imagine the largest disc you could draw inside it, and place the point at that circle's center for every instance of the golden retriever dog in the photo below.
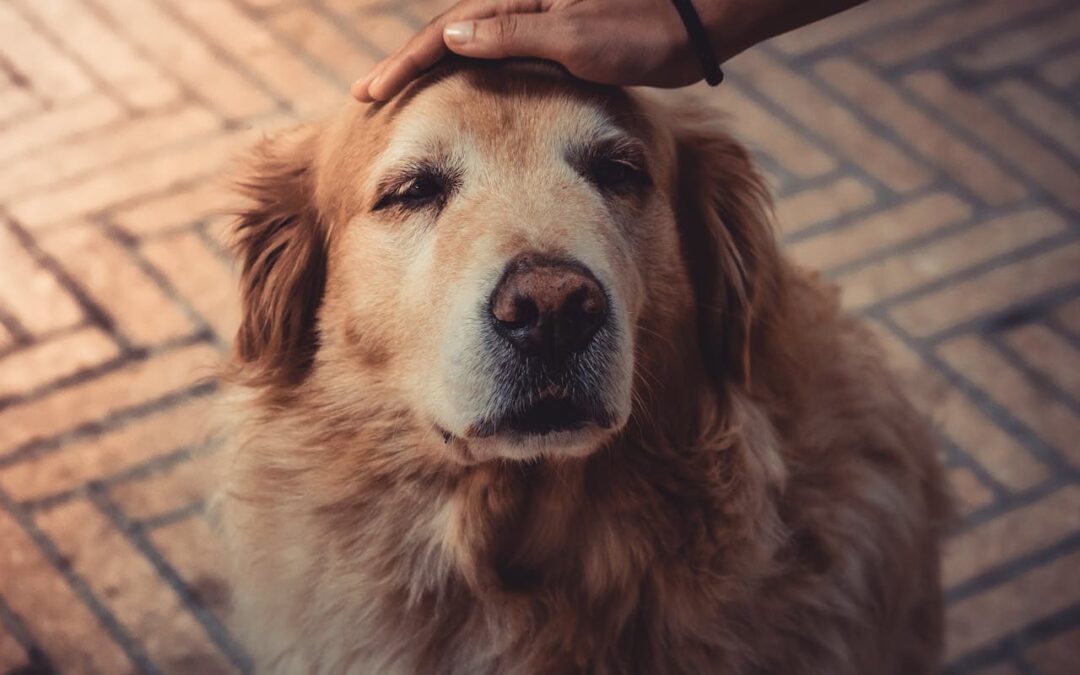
(524, 385)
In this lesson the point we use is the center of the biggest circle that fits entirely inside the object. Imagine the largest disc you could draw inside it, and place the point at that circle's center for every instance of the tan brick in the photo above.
(141, 600)
(761, 129)
(816, 205)
(213, 291)
(181, 486)
(1069, 316)
(946, 255)
(987, 369)
(12, 655)
(1064, 71)
(1051, 118)
(1019, 532)
(140, 382)
(195, 551)
(135, 80)
(54, 75)
(54, 615)
(137, 137)
(31, 292)
(908, 221)
(1021, 44)
(16, 101)
(309, 94)
(967, 426)
(1051, 355)
(386, 31)
(187, 57)
(424, 9)
(109, 274)
(849, 24)
(183, 206)
(1057, 656)
(993, 290)
(50, 360)
(127, 181)
(155, 94)
(1014, 146)
(880, 99)
(817, 111)
(220, 229)
(945, 29)
(253, 45)
(91, 112)
(183, 426)
(1039, 592)
(968, 491)
(316, 35)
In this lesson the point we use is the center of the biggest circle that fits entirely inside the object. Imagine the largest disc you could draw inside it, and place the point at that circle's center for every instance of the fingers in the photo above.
(539, 35)
(359, 88)
(428, 46)
(393, 73)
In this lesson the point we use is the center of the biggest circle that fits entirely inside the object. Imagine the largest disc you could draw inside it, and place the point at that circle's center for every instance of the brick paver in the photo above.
(925, 155)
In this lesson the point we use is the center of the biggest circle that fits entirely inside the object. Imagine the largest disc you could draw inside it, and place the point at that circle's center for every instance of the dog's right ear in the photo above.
(280, 241)
(725, 220)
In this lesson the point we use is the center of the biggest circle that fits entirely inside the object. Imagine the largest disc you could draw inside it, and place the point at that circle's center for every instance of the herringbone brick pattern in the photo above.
(924, 153)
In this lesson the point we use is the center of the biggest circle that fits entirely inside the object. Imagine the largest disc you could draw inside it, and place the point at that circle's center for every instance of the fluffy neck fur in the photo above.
(553, 554)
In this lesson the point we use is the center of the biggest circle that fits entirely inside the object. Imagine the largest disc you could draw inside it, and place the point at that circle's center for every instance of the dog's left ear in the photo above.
(280, 241)
(725, 221)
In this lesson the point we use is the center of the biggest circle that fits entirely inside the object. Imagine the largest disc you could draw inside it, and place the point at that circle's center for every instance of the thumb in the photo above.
(536, 35)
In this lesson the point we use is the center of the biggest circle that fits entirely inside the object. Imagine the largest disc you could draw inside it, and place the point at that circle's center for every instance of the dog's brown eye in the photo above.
(616, 175)
(423, 189)
(419, 191)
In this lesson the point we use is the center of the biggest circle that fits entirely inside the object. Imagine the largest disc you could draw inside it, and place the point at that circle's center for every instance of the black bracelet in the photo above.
(699, 39)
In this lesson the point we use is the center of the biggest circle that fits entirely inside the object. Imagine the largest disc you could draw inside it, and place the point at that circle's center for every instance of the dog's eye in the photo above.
(420, 191)
(616, 174)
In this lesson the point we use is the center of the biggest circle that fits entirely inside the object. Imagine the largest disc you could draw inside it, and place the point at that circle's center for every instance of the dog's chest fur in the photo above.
(604, 565)
(759, 541)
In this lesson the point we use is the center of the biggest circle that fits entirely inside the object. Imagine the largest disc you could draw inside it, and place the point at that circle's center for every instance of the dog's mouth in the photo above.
(546, 416)
(541, 417)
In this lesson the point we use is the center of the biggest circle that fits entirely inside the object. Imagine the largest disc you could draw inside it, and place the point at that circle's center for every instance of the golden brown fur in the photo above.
(772, 504)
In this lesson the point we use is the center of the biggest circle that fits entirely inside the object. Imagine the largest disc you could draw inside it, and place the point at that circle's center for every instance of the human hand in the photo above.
(622, 42)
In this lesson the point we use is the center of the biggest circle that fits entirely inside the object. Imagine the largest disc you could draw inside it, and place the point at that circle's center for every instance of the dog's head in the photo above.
(518, 260)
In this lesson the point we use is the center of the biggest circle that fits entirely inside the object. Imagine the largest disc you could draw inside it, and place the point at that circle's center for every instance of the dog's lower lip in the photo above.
(547, 415)
(544, 416)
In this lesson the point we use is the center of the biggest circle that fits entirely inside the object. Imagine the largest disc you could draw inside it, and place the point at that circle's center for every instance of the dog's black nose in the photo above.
(548, 308)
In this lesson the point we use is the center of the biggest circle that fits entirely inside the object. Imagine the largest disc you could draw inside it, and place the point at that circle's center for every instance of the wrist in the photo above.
(735, 25)
(700, 41)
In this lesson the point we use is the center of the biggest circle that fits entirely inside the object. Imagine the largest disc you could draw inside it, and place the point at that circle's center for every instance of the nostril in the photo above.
(581, 316)
(594, 302)
(588, 301)
(521, 312)
(551, 309)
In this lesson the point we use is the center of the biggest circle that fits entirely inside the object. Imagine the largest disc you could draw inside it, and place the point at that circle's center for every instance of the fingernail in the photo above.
(459, 33)
(359, 89)
(371, 87)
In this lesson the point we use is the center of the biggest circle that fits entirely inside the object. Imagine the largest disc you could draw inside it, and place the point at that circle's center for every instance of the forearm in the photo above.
(737, 25)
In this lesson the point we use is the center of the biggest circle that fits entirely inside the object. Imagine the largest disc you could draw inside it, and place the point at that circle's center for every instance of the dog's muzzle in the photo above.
(550, 339)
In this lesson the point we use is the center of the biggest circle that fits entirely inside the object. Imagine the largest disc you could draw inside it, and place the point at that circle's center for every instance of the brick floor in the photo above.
(925, 154)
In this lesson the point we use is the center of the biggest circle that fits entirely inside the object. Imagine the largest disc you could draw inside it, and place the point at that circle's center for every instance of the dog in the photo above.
(524, 385)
